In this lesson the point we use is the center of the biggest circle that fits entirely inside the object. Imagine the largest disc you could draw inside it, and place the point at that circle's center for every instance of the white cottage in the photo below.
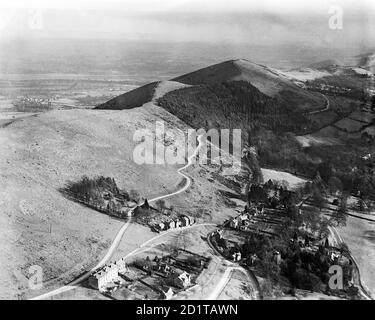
(101, 278)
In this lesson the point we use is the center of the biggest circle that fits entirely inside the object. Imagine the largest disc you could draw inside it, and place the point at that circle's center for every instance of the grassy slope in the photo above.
(37, 156)
(131, 99)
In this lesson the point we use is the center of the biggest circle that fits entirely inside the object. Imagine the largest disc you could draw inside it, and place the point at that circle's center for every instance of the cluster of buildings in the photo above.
(232, 252)
(368, 108)
(330, 88)
(180, 280)
(33, 102)
(241, 222)
(108, 275)
(108, 278)
(182, 221)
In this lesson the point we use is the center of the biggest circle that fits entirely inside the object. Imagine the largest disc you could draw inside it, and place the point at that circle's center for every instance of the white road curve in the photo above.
(144, 247)
(365, 292)
(221, 284)
(121, 232)
(326, 108)
(224, 281)
(179, 171)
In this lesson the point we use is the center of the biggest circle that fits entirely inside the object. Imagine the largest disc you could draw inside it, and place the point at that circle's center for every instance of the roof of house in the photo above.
(104, 270)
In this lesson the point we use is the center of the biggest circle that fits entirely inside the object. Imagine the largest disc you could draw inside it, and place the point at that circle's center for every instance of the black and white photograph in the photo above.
(187, 150)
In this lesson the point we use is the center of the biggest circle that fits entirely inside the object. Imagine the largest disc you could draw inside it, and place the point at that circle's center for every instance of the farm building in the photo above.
(181, 222)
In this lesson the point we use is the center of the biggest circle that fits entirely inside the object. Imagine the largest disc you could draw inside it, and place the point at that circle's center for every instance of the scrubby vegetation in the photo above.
(235, 104)
(101, 193)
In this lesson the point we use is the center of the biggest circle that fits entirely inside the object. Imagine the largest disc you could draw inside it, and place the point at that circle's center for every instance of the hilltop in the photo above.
(367, 61)
(267, 80)
(326, 64)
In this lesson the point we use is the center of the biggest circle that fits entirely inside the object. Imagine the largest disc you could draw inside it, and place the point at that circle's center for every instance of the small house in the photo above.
(104, 276)
(184, 221)
(244, 217)
(160, 226)
(234, 223)
(236, 256)
(121, 266)
(220, 232)
(181, 281)
(168, 295)
(178, 223)
(277, 257)
(191, 220)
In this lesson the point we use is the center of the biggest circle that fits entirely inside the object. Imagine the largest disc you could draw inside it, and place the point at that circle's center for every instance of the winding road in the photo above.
(365, 292)
(118, 238)
(326, 108)
(252, 280)
(225, 279)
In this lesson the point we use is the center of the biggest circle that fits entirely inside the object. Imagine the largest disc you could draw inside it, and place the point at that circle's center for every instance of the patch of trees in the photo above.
(250, 165)
(340, 167)
(272, 194)
(340, 214)
(233, 104)
(88, 188)
(270, 126)
(100, 192)
(306, 270)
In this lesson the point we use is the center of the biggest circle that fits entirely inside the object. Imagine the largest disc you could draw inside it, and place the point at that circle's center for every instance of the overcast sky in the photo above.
(238, 21)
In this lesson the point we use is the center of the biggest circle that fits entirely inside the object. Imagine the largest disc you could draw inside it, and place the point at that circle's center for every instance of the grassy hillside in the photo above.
(38, 156)
(131, 99)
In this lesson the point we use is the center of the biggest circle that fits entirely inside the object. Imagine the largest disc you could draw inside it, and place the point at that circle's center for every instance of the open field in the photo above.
(310, 140)
(237, 288)
(65, 91)
(280, 176)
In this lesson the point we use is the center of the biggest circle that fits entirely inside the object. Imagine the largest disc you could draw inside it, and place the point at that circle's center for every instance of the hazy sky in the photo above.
(237, 21)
